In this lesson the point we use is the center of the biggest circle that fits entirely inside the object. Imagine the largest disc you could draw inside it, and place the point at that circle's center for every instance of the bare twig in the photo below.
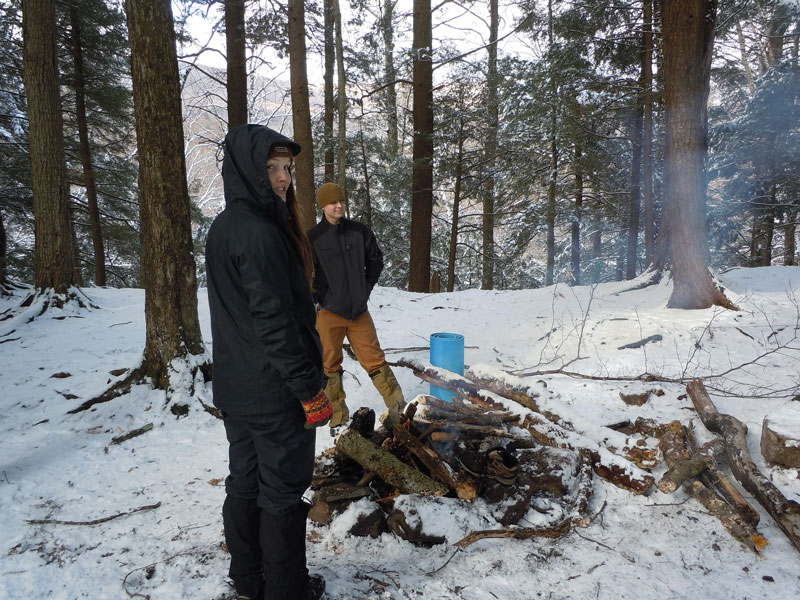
(94, 522)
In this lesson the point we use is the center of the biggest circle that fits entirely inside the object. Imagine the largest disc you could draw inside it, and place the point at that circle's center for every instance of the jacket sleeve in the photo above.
(264, 264)
(320, 281)
(373, 259)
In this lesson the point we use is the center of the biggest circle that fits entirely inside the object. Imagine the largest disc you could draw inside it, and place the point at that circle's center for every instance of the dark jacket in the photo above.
(266, 350)
(347, 265)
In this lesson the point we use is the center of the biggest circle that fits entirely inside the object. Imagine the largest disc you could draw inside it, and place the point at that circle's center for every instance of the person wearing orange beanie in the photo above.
(347, 265)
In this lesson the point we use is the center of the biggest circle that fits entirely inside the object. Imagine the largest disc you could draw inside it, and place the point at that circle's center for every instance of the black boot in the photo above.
(241, 520)
(315, 588)
(283, 542)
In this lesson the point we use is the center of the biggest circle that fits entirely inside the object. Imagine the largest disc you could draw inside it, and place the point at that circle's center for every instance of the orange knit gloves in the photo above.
(318, 410)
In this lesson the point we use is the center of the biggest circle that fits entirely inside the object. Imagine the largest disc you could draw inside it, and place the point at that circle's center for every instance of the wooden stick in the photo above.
(519, 533)
(131, 434)
(96, 521)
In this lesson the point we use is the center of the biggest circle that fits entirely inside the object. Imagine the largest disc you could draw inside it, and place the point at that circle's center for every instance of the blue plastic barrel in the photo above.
(447, 352)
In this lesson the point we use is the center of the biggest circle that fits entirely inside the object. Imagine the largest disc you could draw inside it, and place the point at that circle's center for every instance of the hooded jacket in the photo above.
(266, 350)
(347, 265)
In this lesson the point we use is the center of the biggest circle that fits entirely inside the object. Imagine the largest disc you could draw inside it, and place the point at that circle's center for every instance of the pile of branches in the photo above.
(528, 466)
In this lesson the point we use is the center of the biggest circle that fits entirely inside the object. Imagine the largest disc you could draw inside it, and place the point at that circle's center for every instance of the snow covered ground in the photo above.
(60, 466)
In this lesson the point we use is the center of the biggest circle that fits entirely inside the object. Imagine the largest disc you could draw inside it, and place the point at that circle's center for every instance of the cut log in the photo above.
(681, 471)
(388, 467)
(342, 491)
(734, 434)
(469, 430)
(674, 448)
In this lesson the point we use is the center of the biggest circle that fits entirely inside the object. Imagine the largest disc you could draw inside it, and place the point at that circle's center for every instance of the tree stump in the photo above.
(780, 436)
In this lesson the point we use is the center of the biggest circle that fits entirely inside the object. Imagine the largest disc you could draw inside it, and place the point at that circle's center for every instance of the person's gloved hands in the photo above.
(318, 410)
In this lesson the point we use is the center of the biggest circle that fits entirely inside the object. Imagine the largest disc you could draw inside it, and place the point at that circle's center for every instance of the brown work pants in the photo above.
(361, 334)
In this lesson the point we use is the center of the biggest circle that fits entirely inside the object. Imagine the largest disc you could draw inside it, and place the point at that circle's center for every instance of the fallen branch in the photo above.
(131, 434)
(734, 434)
(96, 521)
(518, 533)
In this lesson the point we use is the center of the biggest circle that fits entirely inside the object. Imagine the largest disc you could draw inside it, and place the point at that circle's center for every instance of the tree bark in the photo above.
(636, 174)
(688, 41)
(390, 75)
(490, 151)
(3, 259)
(551, 187)
(734, 433)
(236, 82)
(419, 273)
(86, 154)
(451, 260)
(301, 115)
(647, 135)
(327, 117)
(168, 267)
(789, 229)
(54, 263)
(575, 261)
(341, 104)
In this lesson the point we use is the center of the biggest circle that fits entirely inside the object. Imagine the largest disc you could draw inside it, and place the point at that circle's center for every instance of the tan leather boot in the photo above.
(335, 393)
(386, 383)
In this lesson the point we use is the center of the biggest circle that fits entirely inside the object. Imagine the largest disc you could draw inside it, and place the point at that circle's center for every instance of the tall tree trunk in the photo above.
(86, 155)
(390, 74)
(769, 227)
(647, 135)
(365, 167)
(341, 104)
(54, 262)
(490, 150)
(451, 261)
(688, 41)
(236, 63)
(751, 82)
(636, 170)
(597, 254)
(789, 229)
(551, 189)
(419, 272)
(3, 251)
(301, 114)
(576, 219)
(327, 118)
(168, 267)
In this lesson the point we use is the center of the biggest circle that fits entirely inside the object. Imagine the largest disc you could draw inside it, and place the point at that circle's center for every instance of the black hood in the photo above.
(244, 168)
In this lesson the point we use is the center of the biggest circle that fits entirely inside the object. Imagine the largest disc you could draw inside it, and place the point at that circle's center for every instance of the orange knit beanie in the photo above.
(329, 193)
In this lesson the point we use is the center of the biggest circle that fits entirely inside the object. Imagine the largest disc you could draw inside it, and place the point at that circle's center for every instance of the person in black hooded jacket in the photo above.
(268, 378)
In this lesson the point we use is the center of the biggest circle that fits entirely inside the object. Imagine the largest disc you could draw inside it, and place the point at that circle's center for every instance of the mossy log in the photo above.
(391, 469)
